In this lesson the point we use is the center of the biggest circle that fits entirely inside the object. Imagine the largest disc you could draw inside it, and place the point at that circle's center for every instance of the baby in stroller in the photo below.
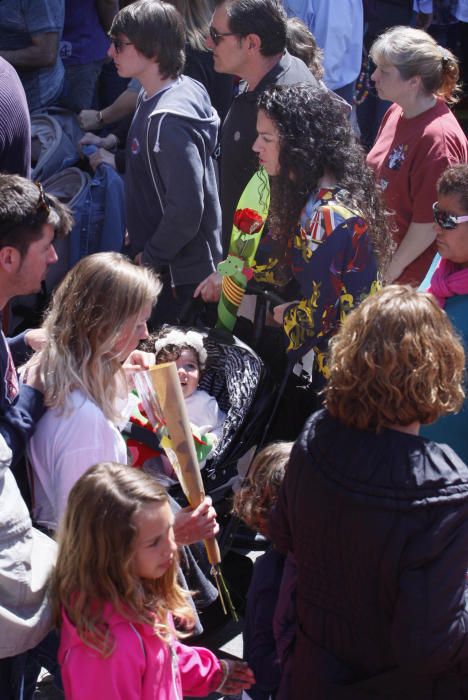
(187, 350)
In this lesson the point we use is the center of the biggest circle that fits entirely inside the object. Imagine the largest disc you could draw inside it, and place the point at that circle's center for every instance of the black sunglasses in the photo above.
(445, 220)
(119, 44)
(217, 36)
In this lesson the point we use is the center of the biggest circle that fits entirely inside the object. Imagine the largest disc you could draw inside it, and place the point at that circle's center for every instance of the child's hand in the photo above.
(239, 676)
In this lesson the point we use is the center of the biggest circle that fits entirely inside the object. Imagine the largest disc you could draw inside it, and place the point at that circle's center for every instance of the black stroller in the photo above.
(245, 390)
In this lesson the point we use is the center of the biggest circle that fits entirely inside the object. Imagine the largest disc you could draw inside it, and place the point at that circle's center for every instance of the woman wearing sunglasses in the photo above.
(449, 284)
(418, 139)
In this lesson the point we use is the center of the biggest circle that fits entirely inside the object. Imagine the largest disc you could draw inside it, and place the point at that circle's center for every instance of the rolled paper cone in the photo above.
(171, 399)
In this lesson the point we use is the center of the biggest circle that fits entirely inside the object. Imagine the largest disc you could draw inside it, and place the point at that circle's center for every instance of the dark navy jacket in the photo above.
(21, 406)
(378, 525)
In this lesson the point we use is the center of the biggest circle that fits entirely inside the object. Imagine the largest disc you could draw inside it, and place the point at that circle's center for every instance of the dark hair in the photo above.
(24, 209)
(265, 18)
(316, 137)
(157, 30)
(454, 180)
(302, 44)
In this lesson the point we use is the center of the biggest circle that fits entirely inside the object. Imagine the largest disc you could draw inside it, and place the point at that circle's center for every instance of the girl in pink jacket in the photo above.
(115, 593)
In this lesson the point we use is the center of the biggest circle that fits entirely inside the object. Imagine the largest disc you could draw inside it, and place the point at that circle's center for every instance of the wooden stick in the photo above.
(169, 392)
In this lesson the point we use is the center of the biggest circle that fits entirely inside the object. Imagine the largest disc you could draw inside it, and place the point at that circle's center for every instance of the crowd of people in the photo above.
(299, 150)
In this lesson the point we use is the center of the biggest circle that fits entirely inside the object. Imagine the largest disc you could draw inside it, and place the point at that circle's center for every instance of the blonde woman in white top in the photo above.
(97, 318)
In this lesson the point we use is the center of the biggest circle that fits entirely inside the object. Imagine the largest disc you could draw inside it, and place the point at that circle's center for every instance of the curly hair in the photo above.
(395, 360)
(454, 180)
(259, 492)
(317, 138)
(95, 559)
(414, 52)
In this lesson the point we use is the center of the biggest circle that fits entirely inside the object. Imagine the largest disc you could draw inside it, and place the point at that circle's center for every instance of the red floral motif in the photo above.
(248, 220)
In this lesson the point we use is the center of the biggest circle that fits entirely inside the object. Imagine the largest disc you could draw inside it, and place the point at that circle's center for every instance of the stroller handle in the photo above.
(264, 292)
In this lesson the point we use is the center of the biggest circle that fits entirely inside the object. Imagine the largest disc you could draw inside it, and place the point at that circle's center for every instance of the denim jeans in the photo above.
(19, 674)
(80, 86)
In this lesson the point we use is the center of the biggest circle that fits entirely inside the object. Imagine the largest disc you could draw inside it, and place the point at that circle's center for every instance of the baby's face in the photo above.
(189, 372)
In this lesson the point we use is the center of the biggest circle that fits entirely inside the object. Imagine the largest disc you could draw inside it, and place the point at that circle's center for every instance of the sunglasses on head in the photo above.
(42, 203)
(217, 36)
(37, 217)
(119, 44)
(445, 220)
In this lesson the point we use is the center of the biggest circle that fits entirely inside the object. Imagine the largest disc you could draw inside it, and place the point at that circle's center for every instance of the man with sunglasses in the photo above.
(172, 206)
(248, 39)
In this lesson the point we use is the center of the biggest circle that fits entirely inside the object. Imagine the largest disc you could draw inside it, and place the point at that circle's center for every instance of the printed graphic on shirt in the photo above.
(331, 259)
(397, 157)
(135, 146)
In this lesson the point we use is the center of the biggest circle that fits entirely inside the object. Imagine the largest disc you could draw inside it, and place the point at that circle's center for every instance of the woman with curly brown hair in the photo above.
(377, 516)
(327, 227)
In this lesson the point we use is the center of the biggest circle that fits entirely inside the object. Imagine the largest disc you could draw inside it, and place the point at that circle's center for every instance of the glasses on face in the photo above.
(445, 220)
(216, 36)
(119, 44)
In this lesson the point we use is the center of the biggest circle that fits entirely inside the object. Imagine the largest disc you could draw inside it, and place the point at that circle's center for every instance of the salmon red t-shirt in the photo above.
(408, 157)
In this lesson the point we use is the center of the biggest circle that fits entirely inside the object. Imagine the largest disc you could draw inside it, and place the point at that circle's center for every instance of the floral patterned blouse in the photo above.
(331, 257)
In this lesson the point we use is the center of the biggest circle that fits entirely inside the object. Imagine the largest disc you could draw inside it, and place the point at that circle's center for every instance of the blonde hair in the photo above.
(95, 559)
(259, 493)
(197, 17)
(414, 52)
(83, 324)
(395, 360)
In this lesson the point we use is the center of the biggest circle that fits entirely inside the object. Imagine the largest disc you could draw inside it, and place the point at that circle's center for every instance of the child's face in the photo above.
(155, 547)
(189, 371)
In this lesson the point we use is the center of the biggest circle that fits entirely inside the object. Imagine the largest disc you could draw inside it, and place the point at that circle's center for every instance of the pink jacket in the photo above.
(141, 667)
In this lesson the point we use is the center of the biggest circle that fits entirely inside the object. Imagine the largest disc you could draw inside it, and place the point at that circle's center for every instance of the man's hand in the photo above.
(210, 288)
(89, 120)
(193, 525)
(102, 156)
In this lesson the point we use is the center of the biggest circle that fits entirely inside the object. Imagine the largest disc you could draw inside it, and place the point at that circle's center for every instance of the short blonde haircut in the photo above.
(84, 322)
(95, 560)
(395, 360)
(259, 493)
(415, 52)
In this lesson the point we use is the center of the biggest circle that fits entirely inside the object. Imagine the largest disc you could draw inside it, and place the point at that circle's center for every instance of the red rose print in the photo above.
(248, 220)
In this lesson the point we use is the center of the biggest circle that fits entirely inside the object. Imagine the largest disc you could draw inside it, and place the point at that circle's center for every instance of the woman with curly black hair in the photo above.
(327, 225)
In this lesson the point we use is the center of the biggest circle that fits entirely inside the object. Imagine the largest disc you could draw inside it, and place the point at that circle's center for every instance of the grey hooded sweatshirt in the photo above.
(172, 204)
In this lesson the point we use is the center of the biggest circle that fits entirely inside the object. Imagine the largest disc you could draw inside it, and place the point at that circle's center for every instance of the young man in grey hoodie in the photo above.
(172, 205)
